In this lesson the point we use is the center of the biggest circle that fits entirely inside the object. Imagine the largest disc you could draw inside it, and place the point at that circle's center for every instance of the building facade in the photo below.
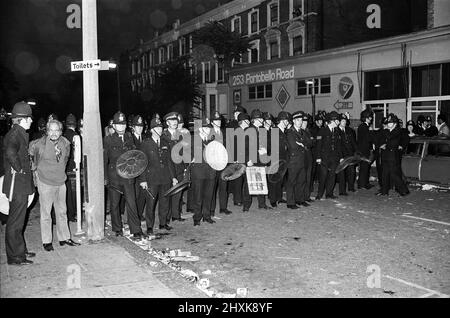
(317, 54)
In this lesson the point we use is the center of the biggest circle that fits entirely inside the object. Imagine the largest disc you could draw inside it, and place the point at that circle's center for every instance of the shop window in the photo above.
(386, 84)
(427, 81)
(260, 91)
(321, 86)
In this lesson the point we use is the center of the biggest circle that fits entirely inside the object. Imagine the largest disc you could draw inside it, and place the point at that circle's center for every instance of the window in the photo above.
(273, 48)
(182, 46)
(322, 85)
(253, 54)
(190, 43)
(162, 55)
(272, 10)
(296, 8)
(297, 43)
(260, 91)
(152, 58)
(138, 66)
(170, 52)
(438, 150)
(414, 149)
(133, 67)
(387, 84)
(212, 103)
(206, 72)
(236, 24)
(220, 73)
(253, 21)
(428, 81)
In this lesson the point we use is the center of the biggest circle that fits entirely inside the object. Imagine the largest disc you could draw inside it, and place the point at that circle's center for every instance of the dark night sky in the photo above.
(37, 45)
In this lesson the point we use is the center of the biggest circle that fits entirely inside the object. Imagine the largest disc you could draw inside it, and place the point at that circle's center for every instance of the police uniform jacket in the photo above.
(113, 147)
(160, 169)
(297, 153)
(348, 141)
(365, 140)
(392, 140)
(282, 144)
(329, 147)
(172, 140)
(200, 169)
(15, 155)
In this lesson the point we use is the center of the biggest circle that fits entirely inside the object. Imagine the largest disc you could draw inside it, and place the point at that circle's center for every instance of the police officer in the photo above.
(220, 185)
(114, 146)
(18, 175)
(390, 158)
(329, 155)
(275, 181)
(70, 133)
(241, 193)
(314, 130)
(347, 176)
(172, 135)
(137, 124)
(158, 177)
(202, 175)
(365, 144)
(308, 160)
(298, 142)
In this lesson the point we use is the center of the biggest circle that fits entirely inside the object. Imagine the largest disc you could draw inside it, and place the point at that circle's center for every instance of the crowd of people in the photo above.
(310, 150)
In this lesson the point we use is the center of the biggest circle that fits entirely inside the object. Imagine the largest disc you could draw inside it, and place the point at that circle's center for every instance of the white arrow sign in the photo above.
(85, 65)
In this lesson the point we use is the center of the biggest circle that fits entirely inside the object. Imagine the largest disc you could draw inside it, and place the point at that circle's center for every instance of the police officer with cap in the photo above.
(17, 183)
(172, 135)
(308, 157)
(137, 124)
(114, 146)
(329, 155)
(390, 158)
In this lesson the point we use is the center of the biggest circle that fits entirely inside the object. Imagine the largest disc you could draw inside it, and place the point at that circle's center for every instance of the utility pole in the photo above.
(92, 136)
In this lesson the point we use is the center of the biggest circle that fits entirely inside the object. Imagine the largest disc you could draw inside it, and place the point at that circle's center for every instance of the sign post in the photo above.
(92, 136)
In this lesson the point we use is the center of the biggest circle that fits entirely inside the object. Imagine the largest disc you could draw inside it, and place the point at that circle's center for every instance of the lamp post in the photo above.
(114, 65)
(313, 98)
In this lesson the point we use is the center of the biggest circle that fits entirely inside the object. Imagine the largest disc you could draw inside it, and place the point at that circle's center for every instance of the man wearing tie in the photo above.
(347, 177)
(329, 154)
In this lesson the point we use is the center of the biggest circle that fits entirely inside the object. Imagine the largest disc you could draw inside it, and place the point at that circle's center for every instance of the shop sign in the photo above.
(272, 75)
(343, 105)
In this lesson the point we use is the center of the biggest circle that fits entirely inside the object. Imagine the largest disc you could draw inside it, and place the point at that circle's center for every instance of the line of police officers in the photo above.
(306, 153)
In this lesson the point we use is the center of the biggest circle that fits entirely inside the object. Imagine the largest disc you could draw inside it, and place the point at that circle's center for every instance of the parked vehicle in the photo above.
(428, 160)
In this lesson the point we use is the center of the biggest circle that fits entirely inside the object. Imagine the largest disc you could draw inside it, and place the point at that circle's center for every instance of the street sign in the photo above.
(343, 105)
(88, 65)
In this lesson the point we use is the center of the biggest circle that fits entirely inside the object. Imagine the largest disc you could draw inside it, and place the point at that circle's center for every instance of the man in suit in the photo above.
(114, 146)
(202, 175)
(220, 185)
(173, 136)
(347, 176)
(329, 155)
(137, 124)
(364, 146)
(158, 177)
(17, 168)
(241, 182)
(275, 181)
(390, 158)
(70, 133)
(298, 143)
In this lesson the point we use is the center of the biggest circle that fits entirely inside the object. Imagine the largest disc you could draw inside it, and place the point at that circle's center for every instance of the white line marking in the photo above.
(418, 286)
(288, 258)
(429, 220)
(427, 295)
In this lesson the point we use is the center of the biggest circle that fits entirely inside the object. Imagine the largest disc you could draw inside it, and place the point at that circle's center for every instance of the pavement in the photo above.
(102, 269)
(361, 245)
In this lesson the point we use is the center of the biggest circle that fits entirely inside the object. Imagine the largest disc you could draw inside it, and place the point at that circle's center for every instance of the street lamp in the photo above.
(313, 98)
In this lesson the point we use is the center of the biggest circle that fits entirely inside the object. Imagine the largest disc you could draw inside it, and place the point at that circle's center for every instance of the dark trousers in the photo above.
(140, 200)
(158, 191)
(175, 204)
(364, 172)
(220, 187)
(379, 166)
(314, 174)
(236, 189)
(347, 178)
(295, 185)
(130, 201)
(189, 199)
(327, 180)
(275, 185)
(308, 175)
(71, 197)
(202, 198)
(14, 238)
(392, 176)
(247, 198)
